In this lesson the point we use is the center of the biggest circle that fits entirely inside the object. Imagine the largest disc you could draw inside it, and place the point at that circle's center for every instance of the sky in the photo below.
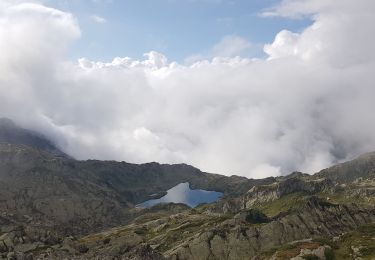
(180, 29)
(252, 88)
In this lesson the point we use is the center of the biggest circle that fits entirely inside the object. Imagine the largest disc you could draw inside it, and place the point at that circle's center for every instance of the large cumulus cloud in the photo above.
(308, 105)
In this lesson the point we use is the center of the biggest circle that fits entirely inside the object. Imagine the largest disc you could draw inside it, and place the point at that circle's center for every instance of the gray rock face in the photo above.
(231, 240)
(39, 188)
(267, 193)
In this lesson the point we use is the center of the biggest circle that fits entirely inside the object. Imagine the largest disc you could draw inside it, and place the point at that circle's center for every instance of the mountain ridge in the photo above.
(11, 133)
(56, 207)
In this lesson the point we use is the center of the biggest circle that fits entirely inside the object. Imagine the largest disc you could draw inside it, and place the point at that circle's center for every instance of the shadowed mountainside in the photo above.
(82, 196)
(361, 167)
(55, 207)
(13, 134)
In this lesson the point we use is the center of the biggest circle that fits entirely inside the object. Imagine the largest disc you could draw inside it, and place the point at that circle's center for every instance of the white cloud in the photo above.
(231, 45)
(228, 47)
(98, 19)
(307, 106)
(340, 33)
(285, 44)
(265, 170)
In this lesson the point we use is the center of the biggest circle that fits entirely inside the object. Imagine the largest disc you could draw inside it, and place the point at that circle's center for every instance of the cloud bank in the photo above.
(308, 105)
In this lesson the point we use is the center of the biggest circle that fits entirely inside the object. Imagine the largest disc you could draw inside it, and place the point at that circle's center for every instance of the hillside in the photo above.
(84, 196)
(55, 207)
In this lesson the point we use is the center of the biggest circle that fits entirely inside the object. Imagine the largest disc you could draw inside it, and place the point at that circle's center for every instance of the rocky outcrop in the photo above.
(76, 197)
(186, 234)
(231, 240)
(52, 206)
(266, 193)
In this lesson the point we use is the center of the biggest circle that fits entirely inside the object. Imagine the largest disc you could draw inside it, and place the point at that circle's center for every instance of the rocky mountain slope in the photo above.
(13, 134)
(361, 167)
(295, 225)
(85, 196)
(55, 207)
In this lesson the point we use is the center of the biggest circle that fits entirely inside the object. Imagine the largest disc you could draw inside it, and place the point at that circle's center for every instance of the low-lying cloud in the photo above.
(309, 104)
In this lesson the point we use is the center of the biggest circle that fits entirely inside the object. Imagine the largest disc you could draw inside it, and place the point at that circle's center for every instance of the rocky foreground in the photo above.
(55, 207)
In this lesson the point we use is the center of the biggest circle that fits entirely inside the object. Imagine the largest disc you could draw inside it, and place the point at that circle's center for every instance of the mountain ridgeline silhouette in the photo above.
(13, 134)
(55, 207)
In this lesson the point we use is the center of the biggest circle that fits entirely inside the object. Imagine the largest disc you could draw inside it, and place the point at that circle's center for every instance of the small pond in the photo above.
(183, 194)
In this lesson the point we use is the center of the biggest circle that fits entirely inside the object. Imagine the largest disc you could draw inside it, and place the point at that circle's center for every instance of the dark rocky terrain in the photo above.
(13, 134)
(55, 207)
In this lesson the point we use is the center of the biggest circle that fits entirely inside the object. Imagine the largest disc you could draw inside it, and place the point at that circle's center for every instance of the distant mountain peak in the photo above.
(11, 133)
(366, 156)
(6, 122)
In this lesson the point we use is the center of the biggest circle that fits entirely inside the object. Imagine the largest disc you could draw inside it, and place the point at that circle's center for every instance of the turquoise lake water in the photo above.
(183, 194)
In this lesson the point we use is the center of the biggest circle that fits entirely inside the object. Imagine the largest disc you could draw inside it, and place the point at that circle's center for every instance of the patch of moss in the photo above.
(368, 229)
(351, 194)
(367, 251)
(283, 204)
(362, 238)
(141, 231)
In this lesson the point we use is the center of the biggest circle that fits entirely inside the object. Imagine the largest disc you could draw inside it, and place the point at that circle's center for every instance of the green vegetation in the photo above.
(177, 232)
(288, 251)
(367, 229)
(141, 231)
(348, 196)
(284, 204)
(329, 254)
(361, 240)
(265, 187)
(360, 243)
